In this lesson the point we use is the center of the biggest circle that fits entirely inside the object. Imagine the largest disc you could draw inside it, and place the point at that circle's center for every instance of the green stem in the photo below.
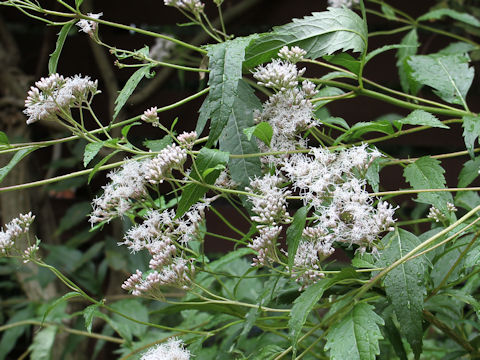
(416, 191)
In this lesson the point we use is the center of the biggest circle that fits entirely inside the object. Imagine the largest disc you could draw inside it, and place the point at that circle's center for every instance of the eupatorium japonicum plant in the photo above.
(325, 265)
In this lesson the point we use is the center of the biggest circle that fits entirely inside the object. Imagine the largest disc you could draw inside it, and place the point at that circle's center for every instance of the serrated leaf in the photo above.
(411, 39)
(308, 299)
(134, 309)
(345, 60)
(88, 314)
(469, 172)
(225, 73)
(439, 13)
(422, 117)
(269, 352)
(405, 285)
(42, 344)
(426, 173)
(55, 55)
(263, 131)
(471, 131)
(158, 145)
(58, 302)
(356, 335)
(91, 150)
(320, 34)
(129, 88)
(457, 48)
(4, 139)
(234, 141)
(294, 233)
(206, 159)
(19, 155)
(449, 75)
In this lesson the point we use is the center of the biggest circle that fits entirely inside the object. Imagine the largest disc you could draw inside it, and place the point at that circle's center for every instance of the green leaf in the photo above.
(308, 299)
(361, 128)
(19, 155)
(294, 233)
(269, 352)
(129, 87)
(158, 145)
(55, 55)
(126, 128)
(234, 141)
(393, 335)
(439, 13)
(334, 121)
(99, 164)
(410, 39)
(345, 60)
(469, 172)
(326, 92)
(206, 159)
(426, 173)
(449, 75)
(373, 171)
(356, 335)
(10, 336)
(4, 139)
(320, 34)
(59, 301)
(384, 48)
(471, 131)
(457, 48)
(42, 344)
(262, 131)
(91, 150)
(405, 285)
(225, 73)
(88, 314)
(421, 117)
(389, 12)
(134, 309)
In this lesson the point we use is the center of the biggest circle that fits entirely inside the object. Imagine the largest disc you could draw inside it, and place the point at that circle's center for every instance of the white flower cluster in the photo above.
(343, 212)
(88, 26)
(342, 3)
(53, 96)
(161, 49)
(438, 215)
(126, 186)
(150, 116)
(187, 139)
(289, 111)
(161, 166)
(173, 349)
(13, 231)
(270, 208)
(160, 234)
(194, 6)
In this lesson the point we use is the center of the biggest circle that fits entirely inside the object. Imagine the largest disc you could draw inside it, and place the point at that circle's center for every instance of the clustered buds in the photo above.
(438, 215)
(161, 166)
(342, 3)
(89, 26)
(194, 6)
(187, 139)
(13, 231)
(292, 55)
(173, 349)
(150, 116)
(52, 97)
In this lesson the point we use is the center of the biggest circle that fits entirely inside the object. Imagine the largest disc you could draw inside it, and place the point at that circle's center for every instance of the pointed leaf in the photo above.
(55, 55)
(469, 172)
(449, 75)
(263, 131)
(356, 335)
(42, 344)
(19, 155)
(206, 159)
(4, 139)
(234, 141)
(157, 145)
(91, 150)
(421, 117)
(439, 13)
(58, 302)
(410, 39)
(384, 48)
(129, 88)
(471, 131)
(88, 314)
(345, 60)
(405, 285)
(426, 173)
(303, 305)
(99, 164)
(320, 34)
(294, 233)
(225, 72)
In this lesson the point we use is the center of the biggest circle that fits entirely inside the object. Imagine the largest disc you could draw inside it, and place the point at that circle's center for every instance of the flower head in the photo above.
(14, 230)
(89, 26)
(194, 6)
(173, 349)
(342, 3)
